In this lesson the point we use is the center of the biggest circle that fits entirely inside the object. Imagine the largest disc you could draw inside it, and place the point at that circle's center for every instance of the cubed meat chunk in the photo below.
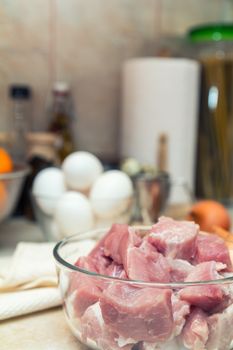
(212, 247)
(180, 309)
(118, 241)
(138, 313)
(86, 289)
(175, 239)
(87, 293)
(220, 330)
(204, 296)
(146, 264)
(195, 332)
(93, 328)
(179, 269)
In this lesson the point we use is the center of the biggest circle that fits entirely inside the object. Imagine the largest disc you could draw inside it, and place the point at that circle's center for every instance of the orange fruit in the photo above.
(3, 196)
(6, 164)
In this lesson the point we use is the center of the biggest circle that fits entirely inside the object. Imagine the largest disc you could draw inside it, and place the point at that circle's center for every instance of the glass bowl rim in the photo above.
(20, 171)
(60, 261)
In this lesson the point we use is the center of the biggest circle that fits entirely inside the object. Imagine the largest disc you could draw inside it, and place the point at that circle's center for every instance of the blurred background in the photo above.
(149, 80)
(85, 44)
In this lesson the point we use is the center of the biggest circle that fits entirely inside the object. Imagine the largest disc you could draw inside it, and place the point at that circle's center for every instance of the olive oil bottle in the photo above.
(61, 122)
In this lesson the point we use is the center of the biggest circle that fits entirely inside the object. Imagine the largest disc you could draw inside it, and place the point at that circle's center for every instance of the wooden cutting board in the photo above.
(45, 330)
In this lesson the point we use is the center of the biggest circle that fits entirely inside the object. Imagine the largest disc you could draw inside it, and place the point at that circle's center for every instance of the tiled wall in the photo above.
(178, 15)
(85, 42)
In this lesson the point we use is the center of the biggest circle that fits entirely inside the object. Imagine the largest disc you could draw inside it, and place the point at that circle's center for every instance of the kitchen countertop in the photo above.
(46, 330)
(16, 230)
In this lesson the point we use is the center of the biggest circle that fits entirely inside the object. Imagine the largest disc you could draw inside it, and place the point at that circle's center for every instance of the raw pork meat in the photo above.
(204, 296)
(175, 239)
(118, 242)
(123, 315)
(116, 270)
(140, 261)
(146, 264)
(94, 328)
(138, 313)
(212, 247)
(87, 289)
(95, 262)
(180, 309)
(195, 332)
(179, 269)
(221, 330)
(87, 293)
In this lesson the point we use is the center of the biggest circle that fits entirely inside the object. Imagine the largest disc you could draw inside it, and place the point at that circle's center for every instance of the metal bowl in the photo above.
(10, 189)
(151, 195)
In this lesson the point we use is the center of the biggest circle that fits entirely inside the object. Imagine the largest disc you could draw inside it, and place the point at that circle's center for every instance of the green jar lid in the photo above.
(211, 32)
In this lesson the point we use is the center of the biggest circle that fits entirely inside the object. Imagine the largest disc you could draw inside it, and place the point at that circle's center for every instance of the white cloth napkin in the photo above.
(29, 282)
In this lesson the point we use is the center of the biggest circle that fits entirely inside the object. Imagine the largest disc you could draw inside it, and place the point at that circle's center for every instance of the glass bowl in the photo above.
(10, 188)
(109, 313)
(44, 209)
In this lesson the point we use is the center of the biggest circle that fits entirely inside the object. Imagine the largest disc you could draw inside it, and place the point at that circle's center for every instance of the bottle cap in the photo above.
(211, 32)
(20, 91)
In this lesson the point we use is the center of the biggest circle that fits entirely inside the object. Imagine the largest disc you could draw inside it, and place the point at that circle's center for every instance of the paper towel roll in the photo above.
(160, 95)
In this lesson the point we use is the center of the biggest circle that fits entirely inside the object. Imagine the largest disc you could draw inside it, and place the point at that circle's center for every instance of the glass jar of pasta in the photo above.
(213, 46)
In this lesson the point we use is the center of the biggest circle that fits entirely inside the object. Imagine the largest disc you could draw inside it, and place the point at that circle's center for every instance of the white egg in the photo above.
(81, 169)
(73, 213)
(48, 186)
(111, 194)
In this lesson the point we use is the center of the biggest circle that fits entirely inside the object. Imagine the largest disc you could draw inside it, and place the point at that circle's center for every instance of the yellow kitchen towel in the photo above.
(29, 282)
